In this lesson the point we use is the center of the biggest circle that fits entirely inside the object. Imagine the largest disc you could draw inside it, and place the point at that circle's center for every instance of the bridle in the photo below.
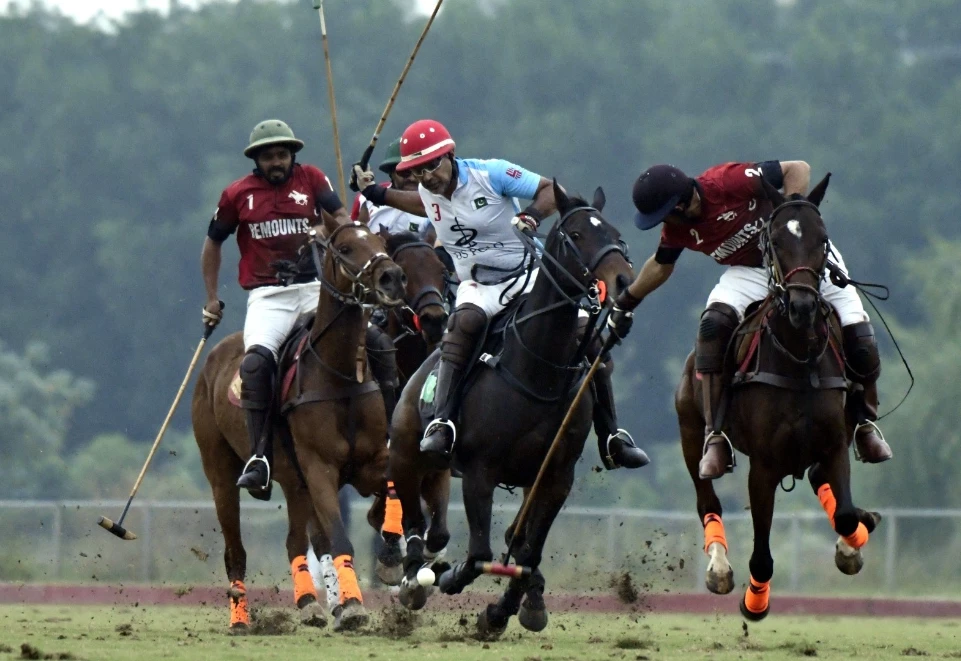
(779, 282)
(426, 297)
(359, 293)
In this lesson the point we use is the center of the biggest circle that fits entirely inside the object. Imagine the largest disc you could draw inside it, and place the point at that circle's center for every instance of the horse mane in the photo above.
(395, 241)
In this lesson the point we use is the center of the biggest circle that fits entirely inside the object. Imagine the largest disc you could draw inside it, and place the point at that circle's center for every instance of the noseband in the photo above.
(359, 291)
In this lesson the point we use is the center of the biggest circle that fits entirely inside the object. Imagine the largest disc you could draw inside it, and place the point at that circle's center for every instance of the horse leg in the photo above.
(833, 479)
(221, 466)
(478, 492)
(436, 493)
(412, 594)
(512, 528)
(529, 553)
(386, 518)
(719, 577)
(762, 487)
(321, 547)
(323, 480)
(298, 513)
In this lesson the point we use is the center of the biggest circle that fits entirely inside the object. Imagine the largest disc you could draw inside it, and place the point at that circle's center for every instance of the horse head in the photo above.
(795, 246)
(426, 282)
(588, 248)
(356, 268)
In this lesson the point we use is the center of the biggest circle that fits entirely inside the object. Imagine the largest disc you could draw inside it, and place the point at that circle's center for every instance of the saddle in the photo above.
(489, 353)
(753, 352)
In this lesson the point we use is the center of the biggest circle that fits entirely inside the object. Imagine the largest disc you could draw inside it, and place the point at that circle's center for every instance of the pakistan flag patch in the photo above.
(479, 203)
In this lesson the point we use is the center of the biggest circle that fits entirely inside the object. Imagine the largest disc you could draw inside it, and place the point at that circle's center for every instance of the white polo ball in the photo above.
(425, 576)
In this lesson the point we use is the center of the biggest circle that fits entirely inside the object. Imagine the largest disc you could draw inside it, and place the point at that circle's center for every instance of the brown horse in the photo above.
(786, 407)
(510, 415)
(334, 423)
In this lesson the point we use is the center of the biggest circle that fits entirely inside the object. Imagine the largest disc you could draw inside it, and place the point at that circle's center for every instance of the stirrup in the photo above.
(730, 447)
(251, 461)
(857, 428)
(436, 424)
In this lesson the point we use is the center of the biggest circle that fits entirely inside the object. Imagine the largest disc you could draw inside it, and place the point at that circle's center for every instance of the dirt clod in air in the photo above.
(623, 585)
(271, 623)
(397, 622)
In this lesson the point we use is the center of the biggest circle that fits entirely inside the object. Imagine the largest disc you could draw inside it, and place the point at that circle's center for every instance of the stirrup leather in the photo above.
(625, 436)
(436, 424)
(857, 428)
(730, 446)
(263, 460)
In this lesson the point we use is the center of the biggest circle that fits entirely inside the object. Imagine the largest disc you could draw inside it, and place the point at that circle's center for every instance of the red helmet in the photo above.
(423, 141)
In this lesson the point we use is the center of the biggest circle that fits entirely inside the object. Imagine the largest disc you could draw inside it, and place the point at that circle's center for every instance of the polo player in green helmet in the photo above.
(271, 210)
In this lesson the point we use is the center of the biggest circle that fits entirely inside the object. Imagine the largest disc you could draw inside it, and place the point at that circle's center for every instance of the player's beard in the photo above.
(278, 175)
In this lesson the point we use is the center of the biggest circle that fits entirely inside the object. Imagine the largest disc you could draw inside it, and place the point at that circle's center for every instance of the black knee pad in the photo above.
(718, 323)
(463, 328)
(861, 351)
(257, 371)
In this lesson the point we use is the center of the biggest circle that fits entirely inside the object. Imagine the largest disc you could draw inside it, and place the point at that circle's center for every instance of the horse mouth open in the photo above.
(391, 286)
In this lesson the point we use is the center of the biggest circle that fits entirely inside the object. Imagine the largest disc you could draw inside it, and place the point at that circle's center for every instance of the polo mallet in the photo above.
(319, 6)
(517, 571)
(393, 95)
(117, 528)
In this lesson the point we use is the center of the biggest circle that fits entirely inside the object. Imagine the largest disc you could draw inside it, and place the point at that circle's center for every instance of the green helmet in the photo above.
(272, 132)
(391, 158)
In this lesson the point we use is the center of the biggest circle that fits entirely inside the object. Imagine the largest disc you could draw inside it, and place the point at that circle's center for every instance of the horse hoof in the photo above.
(413, 597)
(313, 615)
(752, 616)
(532, 619)
(720, 575)
(448, 582)
(389, 575)
(847, 558)
(487, 627)
(873, 520)
(352, 616)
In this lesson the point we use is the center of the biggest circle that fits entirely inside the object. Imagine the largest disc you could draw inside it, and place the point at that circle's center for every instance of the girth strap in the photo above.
(330, 393)
(778, 381)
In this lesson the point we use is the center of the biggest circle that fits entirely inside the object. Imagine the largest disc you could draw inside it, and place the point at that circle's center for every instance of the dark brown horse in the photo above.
(786, 407)
(334, 419)
(509, 416)
(413, 331)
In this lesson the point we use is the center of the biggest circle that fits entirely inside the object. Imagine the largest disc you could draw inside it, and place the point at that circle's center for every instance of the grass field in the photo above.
(115, 633)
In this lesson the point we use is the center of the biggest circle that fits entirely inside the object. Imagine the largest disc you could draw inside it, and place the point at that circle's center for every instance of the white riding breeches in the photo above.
(740, 286)
(493, 298)
(272, 312)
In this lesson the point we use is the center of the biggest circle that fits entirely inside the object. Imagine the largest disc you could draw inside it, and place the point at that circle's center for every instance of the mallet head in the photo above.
(115, 528)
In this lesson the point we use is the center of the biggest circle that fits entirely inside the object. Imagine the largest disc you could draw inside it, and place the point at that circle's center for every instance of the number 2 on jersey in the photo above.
(697, 237)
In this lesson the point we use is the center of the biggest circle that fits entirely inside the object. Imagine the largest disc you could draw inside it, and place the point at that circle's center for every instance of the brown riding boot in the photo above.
(870, 446)
(718, 456)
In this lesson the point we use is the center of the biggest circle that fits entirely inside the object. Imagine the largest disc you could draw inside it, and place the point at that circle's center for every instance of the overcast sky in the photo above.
(84, 10)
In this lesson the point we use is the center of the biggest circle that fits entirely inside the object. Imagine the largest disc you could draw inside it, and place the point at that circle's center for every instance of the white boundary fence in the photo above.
(606, 532)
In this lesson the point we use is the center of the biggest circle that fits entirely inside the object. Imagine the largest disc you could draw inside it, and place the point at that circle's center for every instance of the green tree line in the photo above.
(118, 139)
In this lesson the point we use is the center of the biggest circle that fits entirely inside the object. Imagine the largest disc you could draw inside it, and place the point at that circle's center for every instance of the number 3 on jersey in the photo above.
(436, 208)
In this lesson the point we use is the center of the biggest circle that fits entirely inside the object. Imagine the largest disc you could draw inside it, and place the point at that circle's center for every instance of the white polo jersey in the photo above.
(474, 226)
(394, 221)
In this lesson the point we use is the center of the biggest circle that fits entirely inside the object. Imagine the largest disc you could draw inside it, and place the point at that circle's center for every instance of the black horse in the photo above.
(787, 403)
(509, 416)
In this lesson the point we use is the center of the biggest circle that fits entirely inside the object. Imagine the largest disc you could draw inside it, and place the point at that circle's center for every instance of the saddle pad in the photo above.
(233, 390)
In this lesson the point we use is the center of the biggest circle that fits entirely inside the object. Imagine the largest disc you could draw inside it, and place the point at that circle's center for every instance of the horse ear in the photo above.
(599, 199)
(560, 197)
(773, 194)
(383, 233)
(817, 194)
(329, 223)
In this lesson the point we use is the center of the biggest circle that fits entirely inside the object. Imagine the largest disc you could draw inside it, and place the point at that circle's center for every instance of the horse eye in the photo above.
(575, 236)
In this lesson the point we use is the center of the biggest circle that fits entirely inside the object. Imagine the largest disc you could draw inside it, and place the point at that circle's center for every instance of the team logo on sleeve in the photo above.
(514, 173)
(479, 203)
(299, 198)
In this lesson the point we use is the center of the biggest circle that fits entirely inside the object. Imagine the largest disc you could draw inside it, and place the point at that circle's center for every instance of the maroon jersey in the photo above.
(271, 221)
(733, 209)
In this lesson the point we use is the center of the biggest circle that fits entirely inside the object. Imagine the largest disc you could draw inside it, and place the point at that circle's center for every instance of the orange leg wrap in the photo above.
(393, 517)
(303, 582)
(714, 531)
(239, 609)
(828, 502)
(349, 589)
(758, 596)
(859, 537)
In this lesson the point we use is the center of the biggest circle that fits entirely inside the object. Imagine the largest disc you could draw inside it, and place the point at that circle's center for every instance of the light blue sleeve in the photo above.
(512, 180)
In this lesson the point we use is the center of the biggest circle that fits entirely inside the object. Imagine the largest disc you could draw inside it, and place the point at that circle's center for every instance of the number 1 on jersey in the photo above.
(250, 201)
